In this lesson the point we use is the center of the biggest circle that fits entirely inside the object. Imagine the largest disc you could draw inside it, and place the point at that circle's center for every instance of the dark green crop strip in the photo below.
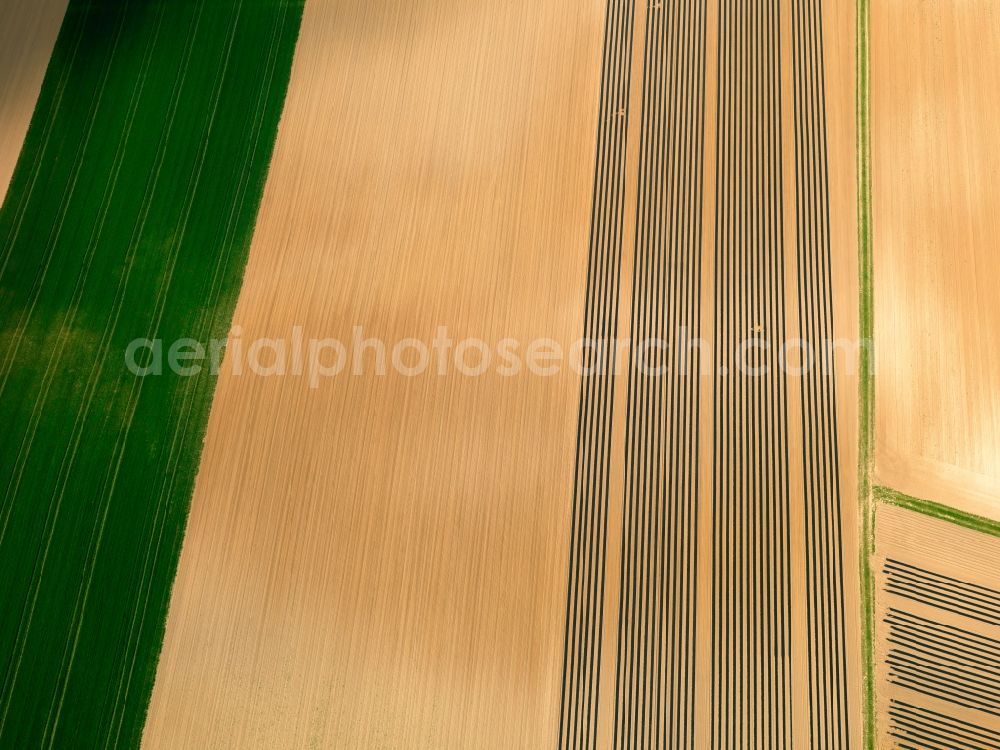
(129, 217)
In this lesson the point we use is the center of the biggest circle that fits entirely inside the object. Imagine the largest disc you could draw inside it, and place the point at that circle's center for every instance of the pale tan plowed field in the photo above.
(389, 561)
(935, 74)
(28, 30)
(381, 561)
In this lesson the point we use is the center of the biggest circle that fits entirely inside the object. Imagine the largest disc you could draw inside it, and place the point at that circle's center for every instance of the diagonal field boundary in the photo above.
(129, 216)
(970, 521)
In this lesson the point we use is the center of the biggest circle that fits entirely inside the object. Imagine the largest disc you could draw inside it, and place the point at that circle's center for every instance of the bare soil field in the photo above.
(381, 561)
(526, 561)
(28, 32)
(935, 72)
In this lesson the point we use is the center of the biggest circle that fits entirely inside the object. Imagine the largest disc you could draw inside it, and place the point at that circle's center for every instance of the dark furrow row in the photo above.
(655, 673)
(824, 558)
(937, 680)
(943, 662)
(751, 662)
(950, 594)
(940, 661)
(588, 544)
(917, 727)
(752, 595)
(956, 645)
(970, 600)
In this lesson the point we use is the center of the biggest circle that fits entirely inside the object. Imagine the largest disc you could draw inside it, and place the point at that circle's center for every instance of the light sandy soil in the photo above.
(946, 549)
(839, 58)
(381, 561)
(28, 30)
(935, 74)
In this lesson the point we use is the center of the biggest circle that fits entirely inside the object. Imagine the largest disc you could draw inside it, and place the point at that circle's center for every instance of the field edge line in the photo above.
(866, 381)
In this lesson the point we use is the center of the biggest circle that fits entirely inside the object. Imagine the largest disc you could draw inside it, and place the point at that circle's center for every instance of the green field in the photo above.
(129, 216)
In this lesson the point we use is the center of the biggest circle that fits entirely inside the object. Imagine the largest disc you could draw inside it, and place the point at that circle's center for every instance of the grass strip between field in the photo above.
(866, 381)
(129, 216)
(870, 495)
(937, 510)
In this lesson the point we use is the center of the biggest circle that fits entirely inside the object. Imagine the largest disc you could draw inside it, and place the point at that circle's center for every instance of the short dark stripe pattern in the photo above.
(970, 600)
(751, 650)
(917, 728)
(655, 669)
(824, 559)
(588, 544)
(943, 661)
(941, 658)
